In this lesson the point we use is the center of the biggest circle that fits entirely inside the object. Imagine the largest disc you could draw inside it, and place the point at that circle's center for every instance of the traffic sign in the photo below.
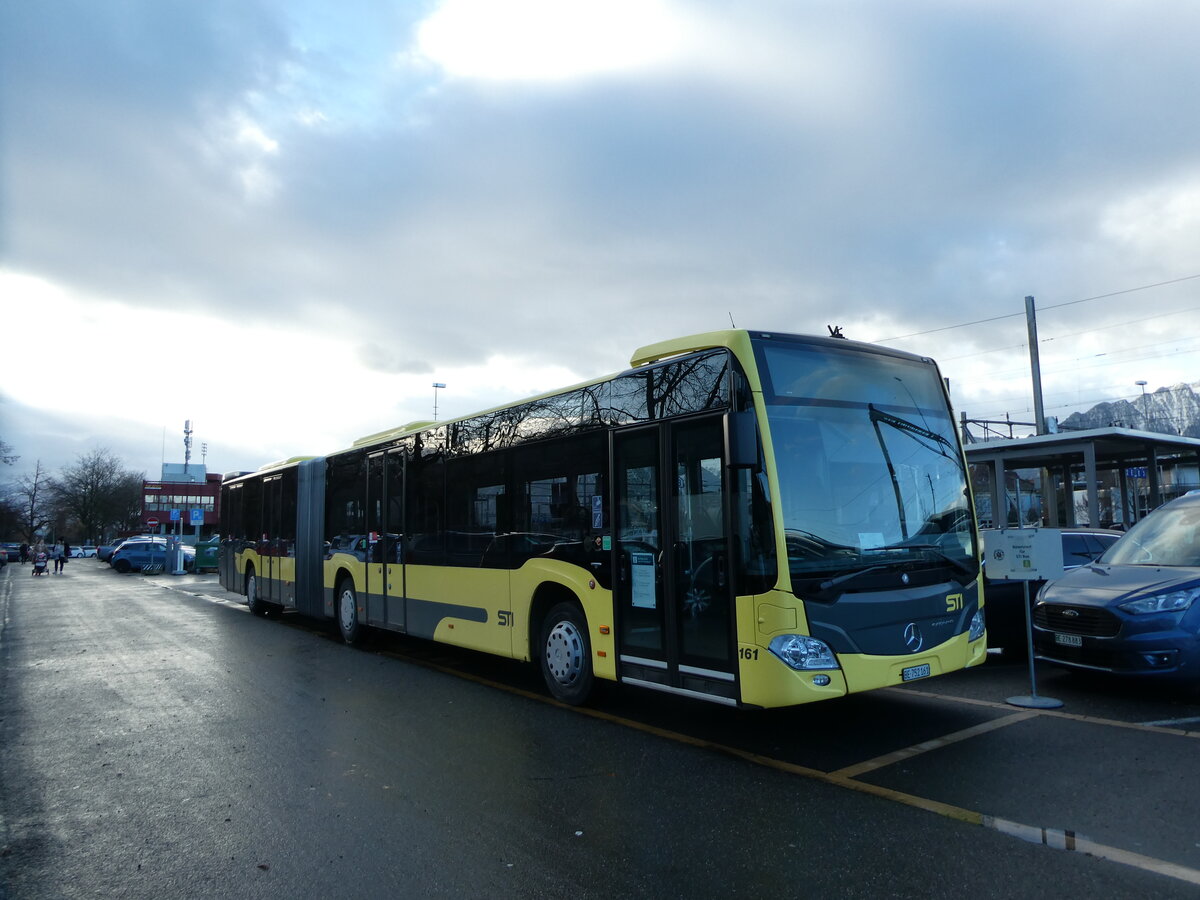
(152, 523)
(1024, 554)
(174, 515)
(195, 517)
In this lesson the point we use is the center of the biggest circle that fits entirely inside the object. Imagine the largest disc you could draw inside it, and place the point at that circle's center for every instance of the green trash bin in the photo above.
(206, 556)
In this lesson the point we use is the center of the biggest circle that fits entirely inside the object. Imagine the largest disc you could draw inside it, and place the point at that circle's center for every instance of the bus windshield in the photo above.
(870, 473)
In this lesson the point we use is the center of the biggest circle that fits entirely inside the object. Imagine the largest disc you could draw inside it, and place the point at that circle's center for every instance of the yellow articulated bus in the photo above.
(743, 517)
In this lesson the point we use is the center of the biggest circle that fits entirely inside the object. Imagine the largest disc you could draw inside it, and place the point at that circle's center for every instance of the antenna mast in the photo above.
(187, 444)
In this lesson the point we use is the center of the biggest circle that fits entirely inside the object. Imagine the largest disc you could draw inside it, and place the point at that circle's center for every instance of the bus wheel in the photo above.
(253, 599)
(566, 654)
(347, 613)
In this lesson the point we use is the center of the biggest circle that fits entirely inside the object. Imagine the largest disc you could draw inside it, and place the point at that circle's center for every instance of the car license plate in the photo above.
(1068, 640)
(914, 672)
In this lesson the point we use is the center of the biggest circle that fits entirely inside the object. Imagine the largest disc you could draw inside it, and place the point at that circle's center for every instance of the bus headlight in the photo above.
(801, 652)
(977, 626)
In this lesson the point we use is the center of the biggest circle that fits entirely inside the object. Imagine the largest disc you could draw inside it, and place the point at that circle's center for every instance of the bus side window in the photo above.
(425, 489)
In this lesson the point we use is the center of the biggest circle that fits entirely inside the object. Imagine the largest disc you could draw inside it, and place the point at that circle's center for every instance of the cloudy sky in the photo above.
(285, 219)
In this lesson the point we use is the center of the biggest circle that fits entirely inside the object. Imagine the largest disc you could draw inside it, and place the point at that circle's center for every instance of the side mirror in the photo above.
(743, 439)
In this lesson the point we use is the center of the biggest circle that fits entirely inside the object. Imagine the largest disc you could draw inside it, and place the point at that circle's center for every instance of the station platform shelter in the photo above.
(1103, 477)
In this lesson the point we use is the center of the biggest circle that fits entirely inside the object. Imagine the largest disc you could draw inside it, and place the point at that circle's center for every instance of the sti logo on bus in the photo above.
(954, 602)
(504, 617)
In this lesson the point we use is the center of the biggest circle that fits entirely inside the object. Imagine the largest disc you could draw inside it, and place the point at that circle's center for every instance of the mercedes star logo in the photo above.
(912, 637)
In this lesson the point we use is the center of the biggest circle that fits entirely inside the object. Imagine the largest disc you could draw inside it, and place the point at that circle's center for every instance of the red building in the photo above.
(168, 504)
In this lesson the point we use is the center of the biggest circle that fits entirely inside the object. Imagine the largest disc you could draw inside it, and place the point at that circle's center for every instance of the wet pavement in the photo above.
(160, 740)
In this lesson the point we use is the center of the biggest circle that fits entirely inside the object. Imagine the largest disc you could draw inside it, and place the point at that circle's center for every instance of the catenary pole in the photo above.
(1035, 365)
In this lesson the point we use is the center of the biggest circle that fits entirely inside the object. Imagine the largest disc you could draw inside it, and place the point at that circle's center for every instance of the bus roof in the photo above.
(679, 346)
(738, 340)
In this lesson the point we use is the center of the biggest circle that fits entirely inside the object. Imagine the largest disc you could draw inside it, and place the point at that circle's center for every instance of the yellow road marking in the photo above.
(1068, 840)
(1053, 838)
(936, 744)
(1055, 713)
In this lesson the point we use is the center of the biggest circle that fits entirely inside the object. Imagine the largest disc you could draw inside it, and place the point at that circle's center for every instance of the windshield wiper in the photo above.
(915, 431)
(827, 590)
(799, 537)
(942, 556)
(825, 586)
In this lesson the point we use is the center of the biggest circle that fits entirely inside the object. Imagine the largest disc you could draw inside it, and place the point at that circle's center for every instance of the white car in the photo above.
(83, 552)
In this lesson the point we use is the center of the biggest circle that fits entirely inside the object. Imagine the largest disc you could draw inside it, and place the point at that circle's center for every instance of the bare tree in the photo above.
(98, 493)
(10, 514)
(33, 501)
(127, 501)
(10, 508)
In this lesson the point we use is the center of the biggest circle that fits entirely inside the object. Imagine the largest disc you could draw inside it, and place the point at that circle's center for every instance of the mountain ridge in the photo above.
(1168, 410)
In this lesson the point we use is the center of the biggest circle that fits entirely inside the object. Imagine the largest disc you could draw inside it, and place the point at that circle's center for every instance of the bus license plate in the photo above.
(914, 672)
(1068, 640)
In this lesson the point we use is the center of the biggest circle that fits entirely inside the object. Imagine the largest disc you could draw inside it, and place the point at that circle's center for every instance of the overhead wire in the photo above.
(1144, 287)
(1093, 361)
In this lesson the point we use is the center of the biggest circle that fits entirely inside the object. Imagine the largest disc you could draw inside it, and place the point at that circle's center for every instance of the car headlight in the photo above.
(801, 652)
(977, 626)
(1172, 601)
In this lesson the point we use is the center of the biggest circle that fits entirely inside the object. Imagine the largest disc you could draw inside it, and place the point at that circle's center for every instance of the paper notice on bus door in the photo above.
(641, 580)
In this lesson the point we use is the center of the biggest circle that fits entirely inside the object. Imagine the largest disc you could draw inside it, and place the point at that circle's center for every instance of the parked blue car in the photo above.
(133, 556)
(1136, 610)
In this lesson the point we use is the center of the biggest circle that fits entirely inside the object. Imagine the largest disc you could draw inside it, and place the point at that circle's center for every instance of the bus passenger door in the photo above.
(271, 589)
(376, 591)
(671, 545)
(393, 540)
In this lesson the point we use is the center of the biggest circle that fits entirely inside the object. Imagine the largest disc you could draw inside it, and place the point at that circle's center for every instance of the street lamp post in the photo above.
(436, 386)
(1145, 407)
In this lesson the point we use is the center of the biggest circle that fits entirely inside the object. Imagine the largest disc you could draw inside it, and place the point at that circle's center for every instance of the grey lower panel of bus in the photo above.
(424, 616)
(421, 617)
(310, 537)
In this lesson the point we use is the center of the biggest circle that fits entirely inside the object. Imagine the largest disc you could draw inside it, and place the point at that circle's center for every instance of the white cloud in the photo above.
(543, 186)
(552, 40)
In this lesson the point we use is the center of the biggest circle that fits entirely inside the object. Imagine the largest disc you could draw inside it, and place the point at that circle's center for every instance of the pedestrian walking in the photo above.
(56, 554)
(24, 552)
(66, 557)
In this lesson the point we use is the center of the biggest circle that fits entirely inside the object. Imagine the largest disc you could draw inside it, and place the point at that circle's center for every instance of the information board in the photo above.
(642, 578)
(1023, 554)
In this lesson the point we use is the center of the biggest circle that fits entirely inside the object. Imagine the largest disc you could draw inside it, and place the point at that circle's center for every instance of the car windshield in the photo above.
(870, 470)
(1167, 537)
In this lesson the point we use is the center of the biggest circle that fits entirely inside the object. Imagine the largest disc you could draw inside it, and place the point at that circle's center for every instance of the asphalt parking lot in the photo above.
(1114, 772)
(1111, 774)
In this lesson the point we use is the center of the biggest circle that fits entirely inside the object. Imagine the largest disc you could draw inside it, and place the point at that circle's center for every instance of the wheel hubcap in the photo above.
(564, 652)
(347, 610)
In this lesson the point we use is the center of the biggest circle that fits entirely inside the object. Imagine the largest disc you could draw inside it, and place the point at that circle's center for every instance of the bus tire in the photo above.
(254, 599)
(566, 654)
(347, 613)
